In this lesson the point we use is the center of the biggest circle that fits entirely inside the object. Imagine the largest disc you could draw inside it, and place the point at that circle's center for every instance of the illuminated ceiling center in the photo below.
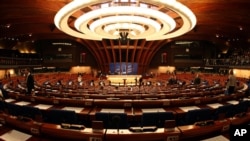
(137, 19)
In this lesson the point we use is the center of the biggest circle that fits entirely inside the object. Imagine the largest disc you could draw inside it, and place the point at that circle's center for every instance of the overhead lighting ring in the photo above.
(167, 24)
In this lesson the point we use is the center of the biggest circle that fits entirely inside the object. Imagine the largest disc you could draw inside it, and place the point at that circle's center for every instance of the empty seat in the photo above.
(226, 110)
(13, 109)
(57, 116)
(2, 106)
(196, 115)
(163, 116)
(149, 119)
(156, 118)
(113, 120)
(242, 107)
(31, 112)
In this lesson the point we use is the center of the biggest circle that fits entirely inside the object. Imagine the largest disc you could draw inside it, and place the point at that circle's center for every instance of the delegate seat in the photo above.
(13, 109)
(196, 115)
(156, 118)
(113, 120)
(224, 111)
(149, 119)
(243, 106)
(2, 106)
(57, 116)
(31, 112)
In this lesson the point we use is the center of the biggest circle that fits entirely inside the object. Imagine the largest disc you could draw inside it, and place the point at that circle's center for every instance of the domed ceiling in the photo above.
(225, 23)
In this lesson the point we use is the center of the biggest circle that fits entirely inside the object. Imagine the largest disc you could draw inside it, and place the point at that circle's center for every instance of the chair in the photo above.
(57, 116)
(112, 120)
(104, 117)
(163, 116)
(226, 110)
(196, 115)
(13, 109)
(149, 119)
(156, 118)
(242, 107)
(31, 112)
(2, 106)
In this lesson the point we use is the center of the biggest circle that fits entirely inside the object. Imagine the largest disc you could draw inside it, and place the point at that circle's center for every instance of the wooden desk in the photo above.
(55, 131)
(190, 132)
(240, 120)
(128, 111)
(28, 126)
(181, 111)
(113, 103)
(142, 103)
(140, 111)
(159, 134)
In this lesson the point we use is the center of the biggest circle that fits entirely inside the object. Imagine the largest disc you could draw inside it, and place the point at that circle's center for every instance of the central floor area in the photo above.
(120, 80)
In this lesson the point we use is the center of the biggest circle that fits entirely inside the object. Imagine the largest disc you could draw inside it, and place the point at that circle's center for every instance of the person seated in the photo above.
(70, 83)
(197, 80)
(58, 83)
(79, 78)
(151, 74)
(172, 80)
(92, 83)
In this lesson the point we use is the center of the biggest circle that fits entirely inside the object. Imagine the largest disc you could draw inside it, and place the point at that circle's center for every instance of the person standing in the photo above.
(231, 83)
(248, 87)
(140, 81)
(29, 82)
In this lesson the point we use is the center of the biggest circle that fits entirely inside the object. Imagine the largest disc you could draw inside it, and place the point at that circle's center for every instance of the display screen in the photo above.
(123, 68)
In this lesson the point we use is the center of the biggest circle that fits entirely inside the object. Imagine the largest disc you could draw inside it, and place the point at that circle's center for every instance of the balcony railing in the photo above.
(235, 63)
(11, 61)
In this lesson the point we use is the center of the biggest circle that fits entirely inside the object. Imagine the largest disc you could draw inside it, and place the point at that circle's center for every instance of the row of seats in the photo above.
(97, 132)
(130, 95)
(122, 120)
(114, 102)
(51, 81)
(58, 116)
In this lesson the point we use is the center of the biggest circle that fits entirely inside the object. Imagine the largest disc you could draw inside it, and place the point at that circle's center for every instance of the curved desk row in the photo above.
(131, 95)
(134, 114)
(187, 132)
(113, 102)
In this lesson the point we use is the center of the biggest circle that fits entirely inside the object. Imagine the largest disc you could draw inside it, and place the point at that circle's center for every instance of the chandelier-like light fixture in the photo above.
(133, 19)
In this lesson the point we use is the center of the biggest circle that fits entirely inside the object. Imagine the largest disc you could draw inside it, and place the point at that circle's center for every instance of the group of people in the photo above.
(231, 82)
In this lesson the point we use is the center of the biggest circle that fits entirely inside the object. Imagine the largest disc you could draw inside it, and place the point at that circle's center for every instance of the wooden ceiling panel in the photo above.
(226, 18)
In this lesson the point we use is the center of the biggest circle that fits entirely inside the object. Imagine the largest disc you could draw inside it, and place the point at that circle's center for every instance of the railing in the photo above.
(244, 63)
(10, 61)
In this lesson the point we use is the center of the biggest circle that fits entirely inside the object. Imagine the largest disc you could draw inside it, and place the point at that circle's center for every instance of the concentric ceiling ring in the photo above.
(113, 28)
(154, 26)
(93, 25)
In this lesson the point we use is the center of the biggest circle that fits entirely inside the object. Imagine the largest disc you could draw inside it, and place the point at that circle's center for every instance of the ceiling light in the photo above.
(141, 19)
